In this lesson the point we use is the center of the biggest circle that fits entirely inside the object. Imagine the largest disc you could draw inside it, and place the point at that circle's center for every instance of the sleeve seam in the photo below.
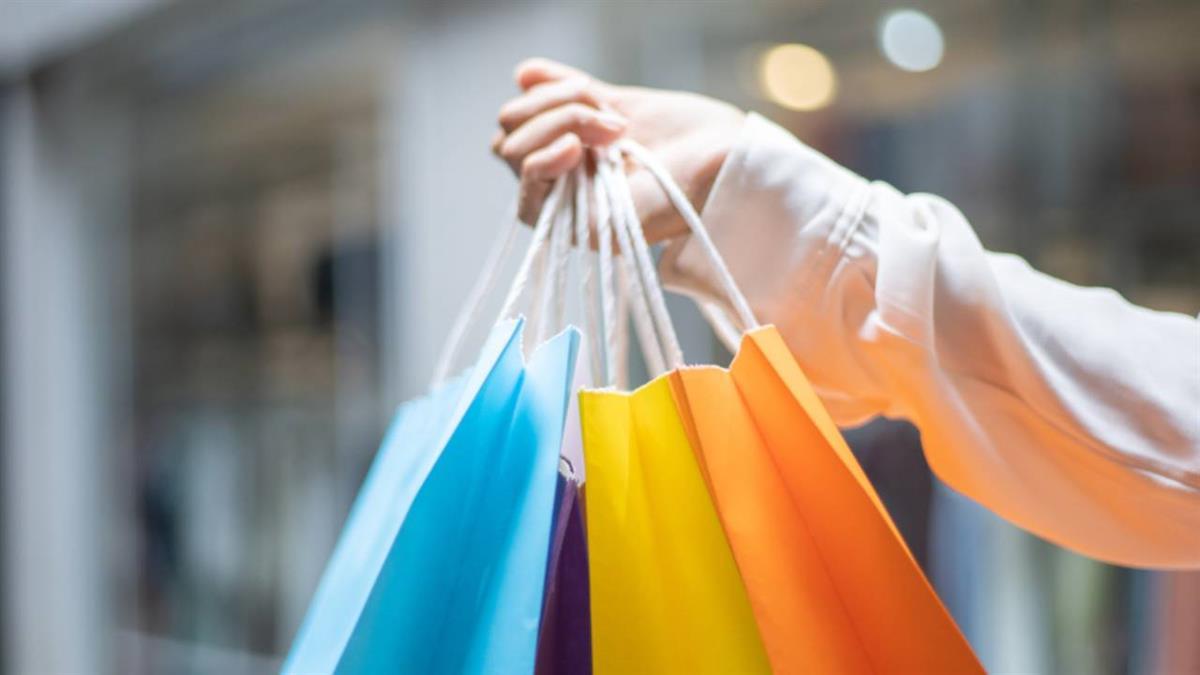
(847, 222)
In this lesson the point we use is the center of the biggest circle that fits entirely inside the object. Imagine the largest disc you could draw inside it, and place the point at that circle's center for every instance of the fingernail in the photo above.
(611, 121)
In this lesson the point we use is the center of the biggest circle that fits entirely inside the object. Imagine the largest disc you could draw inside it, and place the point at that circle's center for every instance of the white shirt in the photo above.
(1066, 410)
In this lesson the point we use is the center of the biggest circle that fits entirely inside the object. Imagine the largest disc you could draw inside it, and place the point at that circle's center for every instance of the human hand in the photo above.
(561, 111)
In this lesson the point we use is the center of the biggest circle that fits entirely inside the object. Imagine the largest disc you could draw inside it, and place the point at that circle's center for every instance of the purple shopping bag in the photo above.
(565, 637)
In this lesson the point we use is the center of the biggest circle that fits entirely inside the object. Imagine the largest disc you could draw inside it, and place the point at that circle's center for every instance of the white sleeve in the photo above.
(1066, 410)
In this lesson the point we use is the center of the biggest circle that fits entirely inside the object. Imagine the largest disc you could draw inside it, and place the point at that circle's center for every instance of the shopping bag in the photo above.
(500, 597)
(666, 595)
(565, 636)
(831, 584)
(409, 450)
(564, 639)
(834, 587)
(441, 566)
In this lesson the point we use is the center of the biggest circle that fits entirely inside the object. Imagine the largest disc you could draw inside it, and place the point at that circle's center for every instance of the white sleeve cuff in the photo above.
(781, 215)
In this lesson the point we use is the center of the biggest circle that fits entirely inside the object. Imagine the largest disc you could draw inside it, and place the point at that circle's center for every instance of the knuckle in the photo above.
(509, 151)
(588, 98)
(531, 166)
(508, 115)
(573, 88)
(571, 141)
(578, 113)
(587, 91)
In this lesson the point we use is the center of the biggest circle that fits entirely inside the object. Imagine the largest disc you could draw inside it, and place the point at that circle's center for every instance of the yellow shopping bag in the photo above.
(666, 596)
(665, 591)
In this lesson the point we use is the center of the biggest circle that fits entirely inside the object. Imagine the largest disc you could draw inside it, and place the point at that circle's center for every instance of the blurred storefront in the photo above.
(234, 235)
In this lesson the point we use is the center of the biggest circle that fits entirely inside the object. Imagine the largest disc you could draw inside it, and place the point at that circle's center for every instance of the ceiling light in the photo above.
(797, 77)
(911, 40)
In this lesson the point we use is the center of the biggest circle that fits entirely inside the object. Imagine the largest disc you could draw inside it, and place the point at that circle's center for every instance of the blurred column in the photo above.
(444, 195)
(56, 363)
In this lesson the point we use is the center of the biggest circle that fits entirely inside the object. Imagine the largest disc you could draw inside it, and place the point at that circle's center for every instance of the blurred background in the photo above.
(234, 235)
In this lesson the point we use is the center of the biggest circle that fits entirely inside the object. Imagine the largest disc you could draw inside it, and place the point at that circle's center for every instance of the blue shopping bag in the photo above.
(441, 565)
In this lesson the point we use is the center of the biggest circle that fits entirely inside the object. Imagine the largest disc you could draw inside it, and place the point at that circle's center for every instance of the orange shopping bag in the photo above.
(832, 584)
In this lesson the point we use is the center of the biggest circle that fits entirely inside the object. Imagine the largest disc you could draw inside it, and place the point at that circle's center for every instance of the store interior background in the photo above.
(235, 234)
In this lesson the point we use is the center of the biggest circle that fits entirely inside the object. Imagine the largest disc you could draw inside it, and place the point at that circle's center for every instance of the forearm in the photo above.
(1064, 409)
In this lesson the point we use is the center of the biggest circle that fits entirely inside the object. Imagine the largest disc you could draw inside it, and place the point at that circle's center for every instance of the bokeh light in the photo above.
(797, 77)
(911, 40)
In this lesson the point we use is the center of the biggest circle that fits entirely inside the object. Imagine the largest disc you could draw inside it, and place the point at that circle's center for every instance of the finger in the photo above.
(535, 71)
(497, 141)
(547, 96)
(541, 168)
(592, 127)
